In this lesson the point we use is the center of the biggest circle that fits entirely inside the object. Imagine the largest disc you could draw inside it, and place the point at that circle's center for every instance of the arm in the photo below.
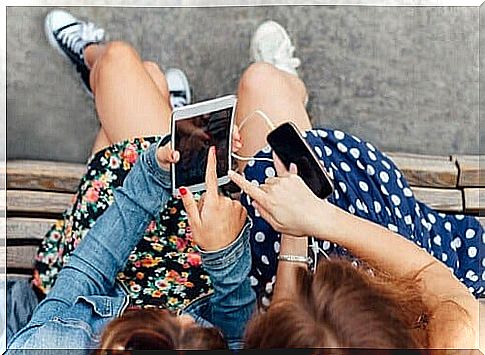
(389, 251)
(93, 266)
(281, 202)
(220, 230)
(287, 271)
(233, 301)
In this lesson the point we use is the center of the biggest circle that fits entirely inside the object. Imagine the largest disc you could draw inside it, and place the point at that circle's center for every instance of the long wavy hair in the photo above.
(344, 306)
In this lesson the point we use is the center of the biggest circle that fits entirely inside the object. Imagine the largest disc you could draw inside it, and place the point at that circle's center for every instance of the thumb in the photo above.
(167, 156)
(279, 166)
(293, 168)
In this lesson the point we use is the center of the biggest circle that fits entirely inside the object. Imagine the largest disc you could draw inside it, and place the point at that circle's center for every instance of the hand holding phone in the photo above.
(288, 144)
(286, 202)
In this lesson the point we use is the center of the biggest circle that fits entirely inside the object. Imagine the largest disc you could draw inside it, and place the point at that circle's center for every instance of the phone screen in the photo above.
(193, 137)
(289, 146)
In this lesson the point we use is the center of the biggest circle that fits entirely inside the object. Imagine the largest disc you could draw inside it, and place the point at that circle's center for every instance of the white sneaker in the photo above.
(70, 36)
(271, 44)
(178, 87)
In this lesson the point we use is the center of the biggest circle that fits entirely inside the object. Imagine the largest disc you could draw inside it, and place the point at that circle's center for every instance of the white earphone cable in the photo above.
(241, 125)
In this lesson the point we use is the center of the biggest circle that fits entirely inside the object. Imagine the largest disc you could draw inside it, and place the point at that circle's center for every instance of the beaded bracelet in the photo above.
(294, 258)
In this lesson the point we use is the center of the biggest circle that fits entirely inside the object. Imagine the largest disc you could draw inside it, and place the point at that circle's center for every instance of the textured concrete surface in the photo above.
(404, 78)
(482, 84)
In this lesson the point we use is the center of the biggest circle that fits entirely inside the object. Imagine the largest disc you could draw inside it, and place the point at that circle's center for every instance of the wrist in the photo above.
(293, 245)
(221, 246)
(324, 218)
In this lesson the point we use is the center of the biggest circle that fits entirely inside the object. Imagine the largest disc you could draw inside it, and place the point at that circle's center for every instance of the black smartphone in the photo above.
(289, 145)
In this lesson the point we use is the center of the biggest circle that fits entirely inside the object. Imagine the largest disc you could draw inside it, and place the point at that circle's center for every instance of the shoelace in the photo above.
(284, 56)
(178, 101)
(77, 36)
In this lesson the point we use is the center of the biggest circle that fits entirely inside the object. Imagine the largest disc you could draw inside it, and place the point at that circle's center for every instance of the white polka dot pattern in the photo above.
(368, 184)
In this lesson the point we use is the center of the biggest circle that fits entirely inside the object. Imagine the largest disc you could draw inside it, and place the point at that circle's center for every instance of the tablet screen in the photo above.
(193, 137)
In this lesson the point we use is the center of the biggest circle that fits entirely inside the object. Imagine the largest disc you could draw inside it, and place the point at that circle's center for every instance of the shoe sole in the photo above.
(257, 34)
(185, 83)
(53, 42)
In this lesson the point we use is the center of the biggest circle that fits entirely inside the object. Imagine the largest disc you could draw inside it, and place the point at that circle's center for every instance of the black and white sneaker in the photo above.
(70, 36)
(179, 88)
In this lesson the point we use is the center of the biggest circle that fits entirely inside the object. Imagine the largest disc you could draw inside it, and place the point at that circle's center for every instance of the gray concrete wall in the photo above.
(404, 78)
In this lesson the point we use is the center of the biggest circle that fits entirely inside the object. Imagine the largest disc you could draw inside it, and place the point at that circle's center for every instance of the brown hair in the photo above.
(156, 329)
(344, 306)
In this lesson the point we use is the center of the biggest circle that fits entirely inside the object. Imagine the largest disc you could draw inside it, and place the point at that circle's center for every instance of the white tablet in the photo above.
(195, 128)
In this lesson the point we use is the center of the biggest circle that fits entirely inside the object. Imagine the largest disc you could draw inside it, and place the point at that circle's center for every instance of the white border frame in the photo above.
(150, 3)
(198, 109)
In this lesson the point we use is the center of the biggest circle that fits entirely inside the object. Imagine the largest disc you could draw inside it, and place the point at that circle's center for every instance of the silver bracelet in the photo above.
(294, 258)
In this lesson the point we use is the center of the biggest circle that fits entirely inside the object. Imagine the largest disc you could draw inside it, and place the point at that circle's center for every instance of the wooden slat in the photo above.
(427, 172)
(28, 228)
(21, 257)
(43, 175)
(37, 201)
(481, 312)
(472, 170)
(26, 276)
(3, 255)
(474, 199)
(446, 200)
(393, 155)
(482, 221)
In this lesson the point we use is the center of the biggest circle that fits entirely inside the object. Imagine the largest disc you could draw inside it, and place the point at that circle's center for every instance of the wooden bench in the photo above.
(38, 192)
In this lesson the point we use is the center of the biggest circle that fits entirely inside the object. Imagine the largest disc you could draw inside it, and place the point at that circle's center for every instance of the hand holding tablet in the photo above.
(195, 128)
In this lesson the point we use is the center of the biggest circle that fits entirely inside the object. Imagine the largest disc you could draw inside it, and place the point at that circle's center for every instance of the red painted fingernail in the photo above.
(183, 191)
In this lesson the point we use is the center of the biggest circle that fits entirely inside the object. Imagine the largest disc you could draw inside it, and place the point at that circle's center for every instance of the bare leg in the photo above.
(102, 141)
(158, 78)
(278, 94)
(129, 101)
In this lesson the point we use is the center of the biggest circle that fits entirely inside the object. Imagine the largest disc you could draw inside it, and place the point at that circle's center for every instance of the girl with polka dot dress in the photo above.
(369, 185)
(367, 182)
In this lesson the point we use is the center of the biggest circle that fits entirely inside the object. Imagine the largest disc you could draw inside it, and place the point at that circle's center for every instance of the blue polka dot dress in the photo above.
(369, 185)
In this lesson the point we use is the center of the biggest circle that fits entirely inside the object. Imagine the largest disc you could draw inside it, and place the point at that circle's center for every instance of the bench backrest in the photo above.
(38, 192)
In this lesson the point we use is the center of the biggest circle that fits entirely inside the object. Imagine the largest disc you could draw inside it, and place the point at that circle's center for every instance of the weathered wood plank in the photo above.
(37, 201)
(3, 255)
(43, 175)
(26, 276)
(482, 221)
(428, 172)
(474, 199)
(446, 200)
(28, 228)
(472, 170)
(21, 257)
(393, 155)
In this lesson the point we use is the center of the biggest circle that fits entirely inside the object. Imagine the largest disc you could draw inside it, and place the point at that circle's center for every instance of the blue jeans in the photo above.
(21, 302)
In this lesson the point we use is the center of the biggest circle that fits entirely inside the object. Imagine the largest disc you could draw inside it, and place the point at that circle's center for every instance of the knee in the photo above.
(157, 76)
(258, 76)
(117, 57)
(117, 53)
(151, 66)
